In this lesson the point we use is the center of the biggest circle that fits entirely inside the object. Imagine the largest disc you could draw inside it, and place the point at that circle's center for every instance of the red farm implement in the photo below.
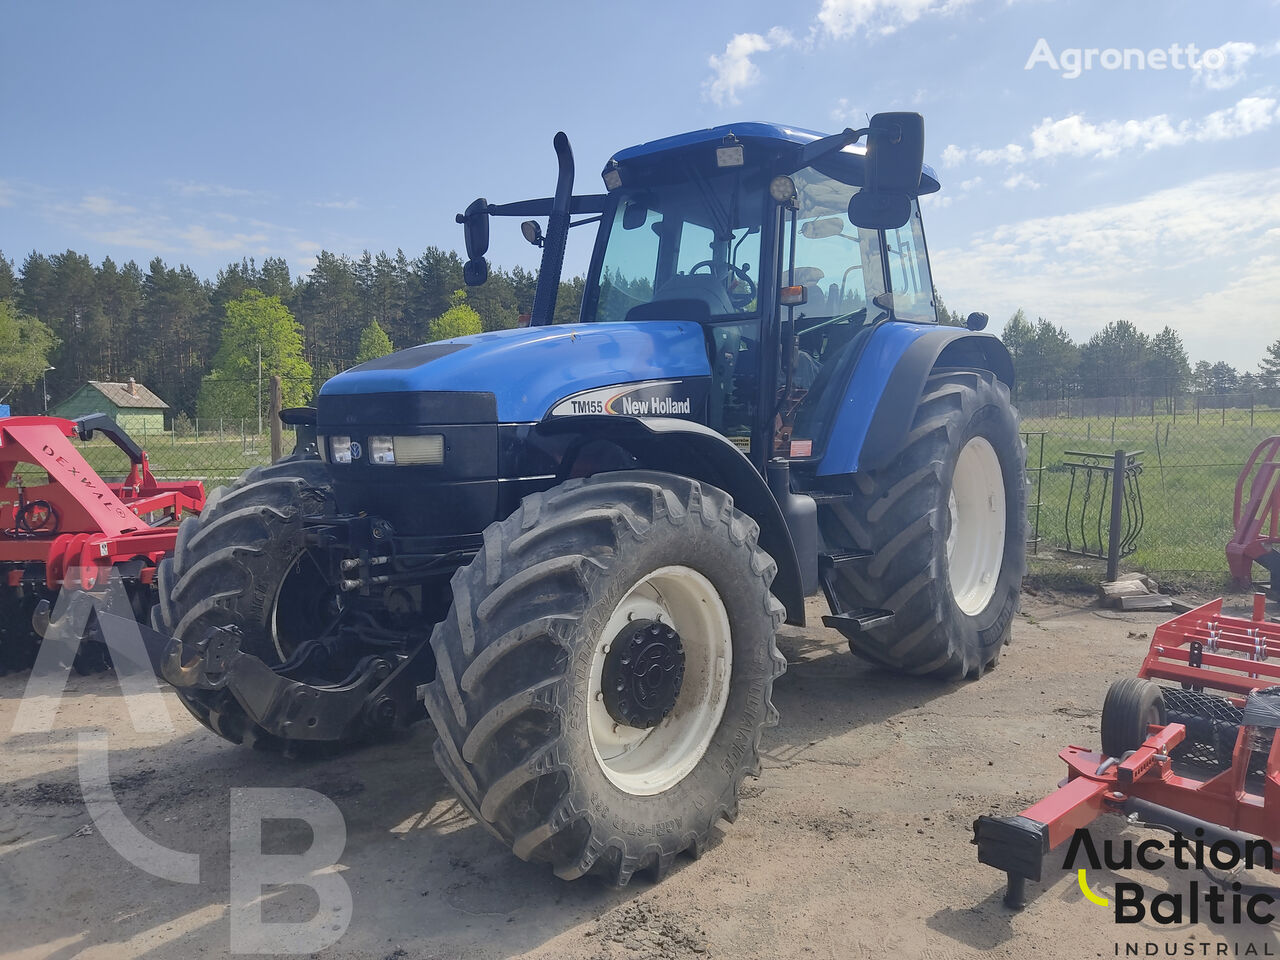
(1256, 516)
(1195, 753)
(63, 526)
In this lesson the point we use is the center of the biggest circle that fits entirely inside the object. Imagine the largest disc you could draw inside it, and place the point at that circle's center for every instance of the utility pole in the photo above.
(259, 389)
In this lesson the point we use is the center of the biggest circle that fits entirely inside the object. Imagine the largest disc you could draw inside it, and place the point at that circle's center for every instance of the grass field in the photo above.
(1187, 482)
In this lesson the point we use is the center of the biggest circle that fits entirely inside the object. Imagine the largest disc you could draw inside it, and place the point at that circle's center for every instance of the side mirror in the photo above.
(976, 321)
(895, 161)
(875, 210)
(634, 215)
(821, 229)
(475, 271)
(475, 231)
(895, 153)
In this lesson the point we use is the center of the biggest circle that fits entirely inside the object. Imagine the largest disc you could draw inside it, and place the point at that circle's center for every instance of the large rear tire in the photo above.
(605, 673)
(946, 522)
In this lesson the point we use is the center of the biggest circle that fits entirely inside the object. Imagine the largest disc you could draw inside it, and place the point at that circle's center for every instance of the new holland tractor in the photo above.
(571, 545)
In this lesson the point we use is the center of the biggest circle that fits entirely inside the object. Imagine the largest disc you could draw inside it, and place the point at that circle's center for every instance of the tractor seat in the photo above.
(697, 286)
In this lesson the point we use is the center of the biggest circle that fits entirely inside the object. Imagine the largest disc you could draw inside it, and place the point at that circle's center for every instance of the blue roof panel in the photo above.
(780, 134)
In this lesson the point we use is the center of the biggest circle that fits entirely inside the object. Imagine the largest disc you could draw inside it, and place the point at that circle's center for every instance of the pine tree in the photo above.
(1269, 368)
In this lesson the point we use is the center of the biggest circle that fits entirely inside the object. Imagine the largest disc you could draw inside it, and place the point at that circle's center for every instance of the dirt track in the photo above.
(853, 843)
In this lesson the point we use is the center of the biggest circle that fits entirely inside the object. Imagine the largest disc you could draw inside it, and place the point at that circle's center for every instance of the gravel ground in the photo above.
(853, 843)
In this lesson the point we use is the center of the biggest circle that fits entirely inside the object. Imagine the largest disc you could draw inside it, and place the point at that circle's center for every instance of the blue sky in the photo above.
(207, 132)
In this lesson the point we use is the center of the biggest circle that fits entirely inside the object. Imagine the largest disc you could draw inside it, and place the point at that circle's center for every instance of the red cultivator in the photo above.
(1178, 756)
(1256, 517)
(73, 528)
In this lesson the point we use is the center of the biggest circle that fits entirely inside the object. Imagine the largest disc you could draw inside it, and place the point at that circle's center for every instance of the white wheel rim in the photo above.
(647, 762)
(975, 544)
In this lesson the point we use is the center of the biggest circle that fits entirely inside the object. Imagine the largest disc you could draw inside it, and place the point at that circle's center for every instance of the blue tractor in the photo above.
(571, 545)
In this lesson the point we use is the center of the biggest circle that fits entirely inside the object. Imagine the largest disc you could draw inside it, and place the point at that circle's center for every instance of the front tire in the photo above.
(604, 675)
(243, 563)
(946, 522)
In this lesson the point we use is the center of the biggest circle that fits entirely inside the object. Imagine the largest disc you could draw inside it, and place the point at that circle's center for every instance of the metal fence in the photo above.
(1189, 451)
(1193, 448)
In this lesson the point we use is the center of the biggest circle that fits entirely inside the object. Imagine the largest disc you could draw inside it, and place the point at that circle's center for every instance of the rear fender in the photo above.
(692, 450)
(888, 380)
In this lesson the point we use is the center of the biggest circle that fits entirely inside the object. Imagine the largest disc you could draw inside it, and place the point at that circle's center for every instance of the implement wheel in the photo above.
(604, 675)
(1132, 705)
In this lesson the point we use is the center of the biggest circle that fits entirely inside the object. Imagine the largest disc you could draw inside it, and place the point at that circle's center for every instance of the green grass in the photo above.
(1187, 482)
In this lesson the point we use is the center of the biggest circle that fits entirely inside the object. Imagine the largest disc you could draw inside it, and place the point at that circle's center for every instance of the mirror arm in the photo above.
(835, 142)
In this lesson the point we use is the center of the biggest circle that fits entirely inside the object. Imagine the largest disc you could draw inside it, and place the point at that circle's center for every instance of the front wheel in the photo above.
(605, 673)
(946, 524)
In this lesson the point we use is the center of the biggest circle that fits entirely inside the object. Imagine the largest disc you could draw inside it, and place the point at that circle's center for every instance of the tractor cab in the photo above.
(747, 230)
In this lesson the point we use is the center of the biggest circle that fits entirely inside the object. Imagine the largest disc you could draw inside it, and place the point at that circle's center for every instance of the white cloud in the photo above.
(1008, 154)
(7, 194)
(1078, 137)
(1235, 57)
(971, 183)
(734, 69)
(844, 18)
(202, 240)
(192, 188)
(847, 115)
(1021, 181)
(1127, 260)
(104, 206)
(1075, 136)
(349, 204)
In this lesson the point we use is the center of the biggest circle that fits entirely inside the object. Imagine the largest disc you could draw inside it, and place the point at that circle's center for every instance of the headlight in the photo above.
(407, 451)
(340, 449)
(427, 449)
(382, 450)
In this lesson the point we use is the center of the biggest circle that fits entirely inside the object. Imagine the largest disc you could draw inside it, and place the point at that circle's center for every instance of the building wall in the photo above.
(138, 422)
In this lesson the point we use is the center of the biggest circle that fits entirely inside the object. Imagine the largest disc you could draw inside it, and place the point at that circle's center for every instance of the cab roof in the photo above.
(776, 137)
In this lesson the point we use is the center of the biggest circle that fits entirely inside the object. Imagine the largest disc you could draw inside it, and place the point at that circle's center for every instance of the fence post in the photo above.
(276, 440)
(1117, 502)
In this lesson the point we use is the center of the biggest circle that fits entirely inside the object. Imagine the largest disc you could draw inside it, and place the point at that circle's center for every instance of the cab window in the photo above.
(909, 270)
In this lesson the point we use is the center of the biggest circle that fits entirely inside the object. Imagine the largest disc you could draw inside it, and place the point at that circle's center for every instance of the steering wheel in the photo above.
(739, 299)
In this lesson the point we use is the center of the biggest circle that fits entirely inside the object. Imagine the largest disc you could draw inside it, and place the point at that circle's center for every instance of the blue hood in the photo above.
(528, 370)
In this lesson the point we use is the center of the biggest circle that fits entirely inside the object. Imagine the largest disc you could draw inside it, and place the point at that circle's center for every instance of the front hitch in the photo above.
(378, 694)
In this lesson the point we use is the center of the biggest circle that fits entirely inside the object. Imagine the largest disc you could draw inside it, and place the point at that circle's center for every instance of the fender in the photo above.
(693, 450)
(880, 400)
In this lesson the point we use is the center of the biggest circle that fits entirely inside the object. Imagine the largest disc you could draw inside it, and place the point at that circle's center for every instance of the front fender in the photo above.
(884, 390)
(693, 450)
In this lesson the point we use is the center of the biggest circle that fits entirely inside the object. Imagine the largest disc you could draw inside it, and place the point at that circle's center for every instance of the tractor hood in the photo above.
(528, 370)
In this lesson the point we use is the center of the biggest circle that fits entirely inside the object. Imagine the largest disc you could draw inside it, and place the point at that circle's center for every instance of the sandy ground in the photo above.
(853, 843)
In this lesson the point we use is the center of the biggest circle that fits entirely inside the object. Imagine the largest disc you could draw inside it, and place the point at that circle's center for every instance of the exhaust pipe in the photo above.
(544, 299)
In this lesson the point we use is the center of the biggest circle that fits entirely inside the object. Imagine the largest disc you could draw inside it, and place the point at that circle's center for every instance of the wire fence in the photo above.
(1188, 450)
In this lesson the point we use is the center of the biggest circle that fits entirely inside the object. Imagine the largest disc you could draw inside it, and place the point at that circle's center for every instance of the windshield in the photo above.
(696, 240)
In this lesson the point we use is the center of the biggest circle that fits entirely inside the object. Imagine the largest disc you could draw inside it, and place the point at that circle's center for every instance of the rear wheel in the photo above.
(946, 522)
(604, 675)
